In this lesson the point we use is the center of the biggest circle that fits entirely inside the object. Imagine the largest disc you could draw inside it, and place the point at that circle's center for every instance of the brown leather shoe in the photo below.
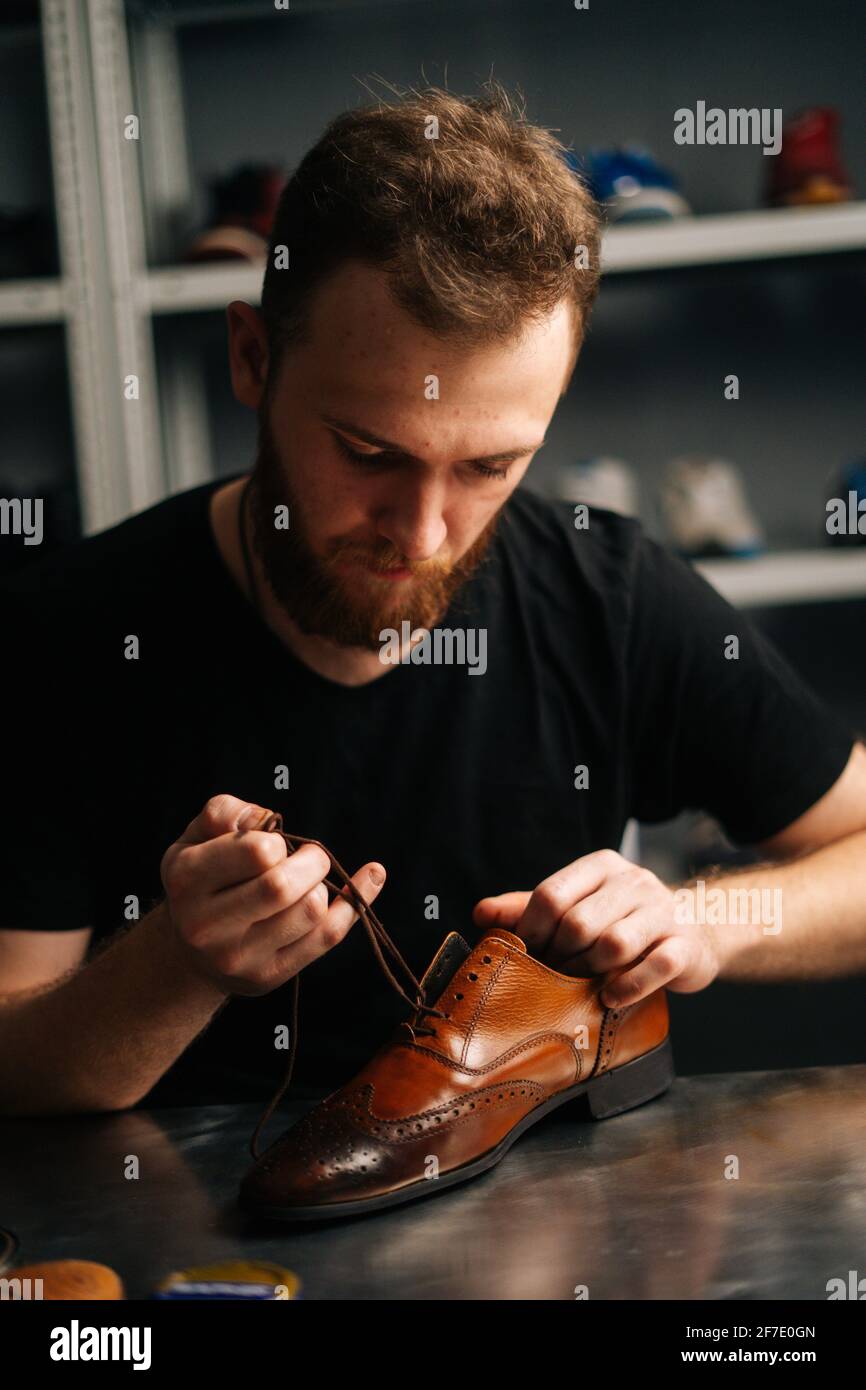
(507, 1041)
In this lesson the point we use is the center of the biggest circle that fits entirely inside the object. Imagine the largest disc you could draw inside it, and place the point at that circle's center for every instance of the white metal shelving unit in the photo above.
(736, 236)
(119, 199)
(79, 296)
(33, 301)
(792, 576)
(125, 245)
(690, 241)
(101, 254)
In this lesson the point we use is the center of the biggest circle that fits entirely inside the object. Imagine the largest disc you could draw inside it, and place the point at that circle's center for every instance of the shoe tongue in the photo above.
(508, 937)
(451, 954)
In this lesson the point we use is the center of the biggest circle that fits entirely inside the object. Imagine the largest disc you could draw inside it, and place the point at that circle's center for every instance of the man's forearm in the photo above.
(804, 919)
(101, 1039)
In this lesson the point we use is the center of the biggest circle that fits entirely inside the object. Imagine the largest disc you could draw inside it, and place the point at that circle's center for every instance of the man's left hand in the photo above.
(603, 915)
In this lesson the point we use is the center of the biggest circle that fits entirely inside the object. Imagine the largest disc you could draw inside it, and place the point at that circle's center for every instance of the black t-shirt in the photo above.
(603, 651)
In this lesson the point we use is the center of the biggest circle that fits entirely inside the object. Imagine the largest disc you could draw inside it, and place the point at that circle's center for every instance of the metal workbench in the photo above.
(641, 1206)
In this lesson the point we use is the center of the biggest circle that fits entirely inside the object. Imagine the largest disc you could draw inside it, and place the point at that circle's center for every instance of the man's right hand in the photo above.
(248, 914)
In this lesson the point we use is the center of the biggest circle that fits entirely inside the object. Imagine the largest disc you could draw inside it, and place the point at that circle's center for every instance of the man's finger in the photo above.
(220, 815)
(584, 928)
(505, 909)
(334, 926)
(657, 968)
(369, 882)
(556, 894)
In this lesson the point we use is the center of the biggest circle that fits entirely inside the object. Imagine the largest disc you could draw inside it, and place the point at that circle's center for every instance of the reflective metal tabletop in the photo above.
(748, 1186)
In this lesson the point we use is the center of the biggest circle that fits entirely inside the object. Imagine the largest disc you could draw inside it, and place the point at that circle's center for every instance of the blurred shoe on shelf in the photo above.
(846, 506)
(704, 845)
(633, 187)
(244, 205)
(705, 509)
(600, 482)
(808, 169)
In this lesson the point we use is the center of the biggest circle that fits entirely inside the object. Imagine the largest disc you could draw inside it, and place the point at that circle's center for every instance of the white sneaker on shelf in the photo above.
(705, 509)
(600, 482)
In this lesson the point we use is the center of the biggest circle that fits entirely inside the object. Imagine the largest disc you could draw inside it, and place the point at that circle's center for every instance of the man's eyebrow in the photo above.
(505, 456)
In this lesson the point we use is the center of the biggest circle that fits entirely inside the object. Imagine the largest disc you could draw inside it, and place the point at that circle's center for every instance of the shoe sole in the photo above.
(612, 1093)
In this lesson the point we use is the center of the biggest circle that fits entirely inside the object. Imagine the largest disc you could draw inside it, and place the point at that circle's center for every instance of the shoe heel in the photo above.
(632, 1084)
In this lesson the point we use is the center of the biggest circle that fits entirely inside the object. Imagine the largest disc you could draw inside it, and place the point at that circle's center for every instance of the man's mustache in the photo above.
(391, 560)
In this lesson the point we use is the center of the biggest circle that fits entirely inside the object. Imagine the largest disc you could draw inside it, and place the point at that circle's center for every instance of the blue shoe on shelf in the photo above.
(630, 184)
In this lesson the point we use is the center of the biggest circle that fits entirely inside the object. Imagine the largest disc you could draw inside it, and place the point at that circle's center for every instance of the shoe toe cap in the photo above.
(324, 1158)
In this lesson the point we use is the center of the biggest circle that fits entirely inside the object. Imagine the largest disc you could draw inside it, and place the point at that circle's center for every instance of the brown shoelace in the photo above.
(378, 938)
(376, 932)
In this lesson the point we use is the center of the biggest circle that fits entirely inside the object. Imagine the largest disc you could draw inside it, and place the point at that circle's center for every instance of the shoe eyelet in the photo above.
(486, 959)
(459, 996)
(473, 976)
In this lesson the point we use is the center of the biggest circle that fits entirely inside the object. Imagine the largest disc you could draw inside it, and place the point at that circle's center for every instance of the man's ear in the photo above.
(248, 353)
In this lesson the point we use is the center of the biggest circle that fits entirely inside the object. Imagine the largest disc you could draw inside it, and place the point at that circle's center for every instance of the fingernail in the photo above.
(249, 817)
(377, 876)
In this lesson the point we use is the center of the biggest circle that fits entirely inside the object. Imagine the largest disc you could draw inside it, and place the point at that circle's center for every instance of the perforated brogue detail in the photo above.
(408, 1127)
(345, 1136)
(612, 1019)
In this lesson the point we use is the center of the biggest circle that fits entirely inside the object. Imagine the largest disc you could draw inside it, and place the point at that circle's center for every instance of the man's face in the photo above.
(395, 453)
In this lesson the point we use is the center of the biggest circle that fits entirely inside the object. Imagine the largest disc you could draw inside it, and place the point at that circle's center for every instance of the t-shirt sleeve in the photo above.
(742, 736)
(44, 884)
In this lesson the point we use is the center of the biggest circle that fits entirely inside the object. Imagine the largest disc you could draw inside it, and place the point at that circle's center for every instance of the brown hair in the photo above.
(477, 228)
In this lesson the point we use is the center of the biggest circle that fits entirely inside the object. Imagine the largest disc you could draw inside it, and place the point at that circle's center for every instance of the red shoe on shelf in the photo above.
(244, 207)
(808, 169)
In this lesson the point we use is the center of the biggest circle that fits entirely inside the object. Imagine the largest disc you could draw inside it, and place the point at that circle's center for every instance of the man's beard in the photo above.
(326, 603)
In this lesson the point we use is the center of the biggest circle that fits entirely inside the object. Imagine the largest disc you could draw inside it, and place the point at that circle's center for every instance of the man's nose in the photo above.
(413, 519)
